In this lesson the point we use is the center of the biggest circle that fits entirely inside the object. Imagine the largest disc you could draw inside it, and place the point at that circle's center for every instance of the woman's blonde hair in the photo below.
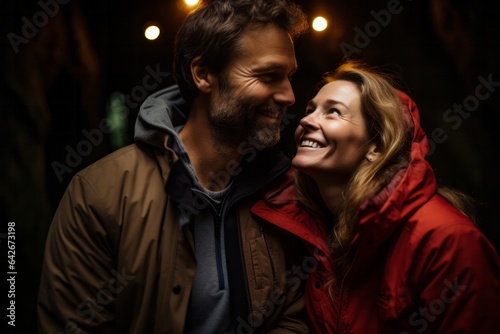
(391, 131)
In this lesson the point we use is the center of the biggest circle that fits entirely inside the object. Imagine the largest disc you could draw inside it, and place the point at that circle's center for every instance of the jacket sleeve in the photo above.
(459, 283)
(77, 282)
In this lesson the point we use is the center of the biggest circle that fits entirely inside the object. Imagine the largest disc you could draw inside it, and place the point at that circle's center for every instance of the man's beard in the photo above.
(234, 120)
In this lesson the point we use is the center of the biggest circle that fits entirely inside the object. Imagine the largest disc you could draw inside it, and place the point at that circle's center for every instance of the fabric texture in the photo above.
(418, 265)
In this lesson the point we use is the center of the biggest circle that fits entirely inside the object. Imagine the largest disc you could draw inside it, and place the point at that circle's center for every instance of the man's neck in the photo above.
(215, 164)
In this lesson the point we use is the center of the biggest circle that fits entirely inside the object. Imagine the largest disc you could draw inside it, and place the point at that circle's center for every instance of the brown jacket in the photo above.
(117, 261)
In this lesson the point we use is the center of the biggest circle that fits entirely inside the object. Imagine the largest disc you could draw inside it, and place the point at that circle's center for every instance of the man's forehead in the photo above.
(269, 48)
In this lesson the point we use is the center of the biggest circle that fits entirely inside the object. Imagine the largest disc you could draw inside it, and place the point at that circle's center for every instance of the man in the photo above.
(158, 237)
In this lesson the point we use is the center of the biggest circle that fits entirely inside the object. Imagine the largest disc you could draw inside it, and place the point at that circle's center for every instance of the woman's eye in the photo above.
(333, 111)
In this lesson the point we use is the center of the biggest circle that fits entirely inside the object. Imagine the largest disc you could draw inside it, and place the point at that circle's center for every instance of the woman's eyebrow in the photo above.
(328, 102)
(332, 101)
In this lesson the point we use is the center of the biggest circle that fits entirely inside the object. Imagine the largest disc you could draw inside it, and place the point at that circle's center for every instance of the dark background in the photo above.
(60, 82)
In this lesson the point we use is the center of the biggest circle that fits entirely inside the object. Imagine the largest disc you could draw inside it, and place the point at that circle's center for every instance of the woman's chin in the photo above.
(302, 166)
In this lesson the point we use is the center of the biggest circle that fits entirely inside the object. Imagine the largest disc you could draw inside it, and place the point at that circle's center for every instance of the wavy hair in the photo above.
(391, 132)
(212, 32)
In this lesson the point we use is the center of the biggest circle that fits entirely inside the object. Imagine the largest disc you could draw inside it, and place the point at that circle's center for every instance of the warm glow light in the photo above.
(319, 23)
(191, 2)
(152, 32)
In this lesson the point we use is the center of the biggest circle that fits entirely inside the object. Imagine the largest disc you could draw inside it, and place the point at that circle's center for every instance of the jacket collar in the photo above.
(281, 207)
(252, 176)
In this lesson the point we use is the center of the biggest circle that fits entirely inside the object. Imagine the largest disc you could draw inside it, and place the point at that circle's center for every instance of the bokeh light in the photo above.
(191, 3)
(319, 23)
(152, 32)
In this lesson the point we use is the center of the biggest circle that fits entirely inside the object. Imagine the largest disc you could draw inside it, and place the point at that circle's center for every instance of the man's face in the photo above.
(254, 91)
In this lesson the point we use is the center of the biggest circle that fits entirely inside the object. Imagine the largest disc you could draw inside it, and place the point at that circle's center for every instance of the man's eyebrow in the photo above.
(269, 67)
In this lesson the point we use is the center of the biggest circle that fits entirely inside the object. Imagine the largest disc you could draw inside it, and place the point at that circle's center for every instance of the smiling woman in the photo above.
(394, 252)
(332, 139)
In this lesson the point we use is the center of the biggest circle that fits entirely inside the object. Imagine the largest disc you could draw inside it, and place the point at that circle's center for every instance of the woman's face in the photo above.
(332, 139)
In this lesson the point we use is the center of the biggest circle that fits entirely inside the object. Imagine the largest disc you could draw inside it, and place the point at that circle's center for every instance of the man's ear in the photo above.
(201, 76)
(373, 153)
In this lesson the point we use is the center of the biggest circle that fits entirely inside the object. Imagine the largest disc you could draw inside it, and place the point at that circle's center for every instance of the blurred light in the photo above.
(191, 2)
(117, 112)
(152, 32)
(319, 23)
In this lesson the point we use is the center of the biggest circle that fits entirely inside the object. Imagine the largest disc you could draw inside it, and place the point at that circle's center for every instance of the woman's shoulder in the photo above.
(439, 232)
(438, 217)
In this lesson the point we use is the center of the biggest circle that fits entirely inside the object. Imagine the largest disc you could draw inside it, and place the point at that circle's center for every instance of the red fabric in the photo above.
(419, 266)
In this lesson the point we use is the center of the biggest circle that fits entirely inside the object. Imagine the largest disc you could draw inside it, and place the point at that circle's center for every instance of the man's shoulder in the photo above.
(131, 159)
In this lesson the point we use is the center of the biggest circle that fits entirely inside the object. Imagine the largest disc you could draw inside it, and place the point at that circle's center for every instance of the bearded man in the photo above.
(158, 237)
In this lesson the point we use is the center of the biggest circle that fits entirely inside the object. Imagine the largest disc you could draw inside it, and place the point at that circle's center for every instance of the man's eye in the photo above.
(274, 77)
(267, 77)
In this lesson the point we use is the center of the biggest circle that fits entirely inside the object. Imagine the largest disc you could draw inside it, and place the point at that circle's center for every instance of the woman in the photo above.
(390, 251)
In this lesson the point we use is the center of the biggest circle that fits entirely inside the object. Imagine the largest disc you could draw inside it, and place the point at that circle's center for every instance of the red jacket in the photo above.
(419, 265)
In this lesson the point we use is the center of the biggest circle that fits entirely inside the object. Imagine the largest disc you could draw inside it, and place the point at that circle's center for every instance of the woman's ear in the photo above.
(201, 76)
(373, 153)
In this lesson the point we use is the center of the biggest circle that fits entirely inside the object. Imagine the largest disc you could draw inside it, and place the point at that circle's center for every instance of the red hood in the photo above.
(419, 137)
(408, 190)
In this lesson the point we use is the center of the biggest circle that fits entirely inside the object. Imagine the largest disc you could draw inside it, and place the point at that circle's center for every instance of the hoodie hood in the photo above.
(160, 118)
(156, 117)
(409, 189)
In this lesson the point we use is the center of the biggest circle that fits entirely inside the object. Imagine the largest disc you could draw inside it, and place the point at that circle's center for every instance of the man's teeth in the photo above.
(310, 143)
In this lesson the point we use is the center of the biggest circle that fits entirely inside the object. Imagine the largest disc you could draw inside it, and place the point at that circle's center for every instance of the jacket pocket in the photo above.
(261, 263)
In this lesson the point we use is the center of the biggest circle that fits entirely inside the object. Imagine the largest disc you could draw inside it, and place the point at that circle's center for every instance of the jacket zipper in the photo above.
(218, 247)
(341, 293)
(218, 253)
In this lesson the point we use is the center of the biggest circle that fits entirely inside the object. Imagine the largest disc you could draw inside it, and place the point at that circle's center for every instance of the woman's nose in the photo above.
(309, 121)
